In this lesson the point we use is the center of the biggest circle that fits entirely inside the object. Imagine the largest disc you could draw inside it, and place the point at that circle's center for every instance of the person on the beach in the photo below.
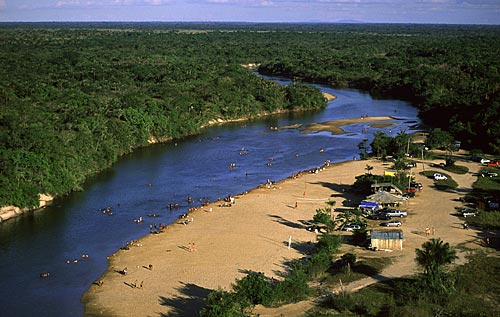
(192, 247)
(150, 267)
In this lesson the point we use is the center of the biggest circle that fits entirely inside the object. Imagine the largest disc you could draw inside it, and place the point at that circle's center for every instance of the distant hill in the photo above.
(348, 21)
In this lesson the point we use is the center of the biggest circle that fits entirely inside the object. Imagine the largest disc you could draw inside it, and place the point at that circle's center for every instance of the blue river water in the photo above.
(151, 178)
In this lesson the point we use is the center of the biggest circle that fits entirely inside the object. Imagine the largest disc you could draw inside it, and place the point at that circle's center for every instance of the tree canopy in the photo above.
(77, 96)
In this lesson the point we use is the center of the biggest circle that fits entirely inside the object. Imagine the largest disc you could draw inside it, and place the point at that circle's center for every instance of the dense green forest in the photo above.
(74, 97)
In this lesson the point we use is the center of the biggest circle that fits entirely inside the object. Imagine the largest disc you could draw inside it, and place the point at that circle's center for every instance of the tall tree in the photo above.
(434, 256)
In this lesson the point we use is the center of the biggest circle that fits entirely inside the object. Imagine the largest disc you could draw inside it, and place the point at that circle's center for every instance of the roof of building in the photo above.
(386, 234)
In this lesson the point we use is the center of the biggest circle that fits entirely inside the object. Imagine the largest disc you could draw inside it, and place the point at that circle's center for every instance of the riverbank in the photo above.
(9, 212)
(251, 235)
(263, 230)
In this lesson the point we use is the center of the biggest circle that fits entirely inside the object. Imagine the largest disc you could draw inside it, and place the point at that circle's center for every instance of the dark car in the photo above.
(418, 186)
(409, 195)
(381, 216)
(489, 174)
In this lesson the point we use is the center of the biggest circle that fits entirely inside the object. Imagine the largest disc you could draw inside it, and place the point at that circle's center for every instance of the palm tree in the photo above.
(368, 169)
(434, 256)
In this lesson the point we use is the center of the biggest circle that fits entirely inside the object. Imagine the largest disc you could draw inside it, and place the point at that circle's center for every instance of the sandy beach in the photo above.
(253, 235)
(335, 126)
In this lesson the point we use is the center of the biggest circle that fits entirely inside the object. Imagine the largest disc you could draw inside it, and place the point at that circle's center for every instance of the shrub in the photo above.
(458, 169)
(359, 237)
(220, 303)
(254, 288)
(349, 258)
(329, 242)
(486, 219)
(294, 287)
(318, 264)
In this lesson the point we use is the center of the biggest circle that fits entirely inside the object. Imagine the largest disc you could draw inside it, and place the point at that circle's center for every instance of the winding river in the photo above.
(148, 180)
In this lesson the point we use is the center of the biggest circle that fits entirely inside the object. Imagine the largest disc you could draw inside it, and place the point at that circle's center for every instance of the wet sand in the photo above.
(335, 126)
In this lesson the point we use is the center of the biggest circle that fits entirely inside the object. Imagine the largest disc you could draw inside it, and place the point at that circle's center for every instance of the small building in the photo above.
(386, 239)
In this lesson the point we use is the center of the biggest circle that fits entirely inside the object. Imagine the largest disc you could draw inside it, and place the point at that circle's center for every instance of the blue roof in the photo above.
(369, 203)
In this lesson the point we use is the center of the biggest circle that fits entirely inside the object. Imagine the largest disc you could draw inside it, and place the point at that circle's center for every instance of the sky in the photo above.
(372, 11)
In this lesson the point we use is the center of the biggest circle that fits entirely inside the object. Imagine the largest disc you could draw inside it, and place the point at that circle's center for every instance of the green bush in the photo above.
(318, 264)
(329, 242)
(349, 258)
(254, 288)
(220, 303)
(457, 169)
(486, 219)
(294, 287)
(446, 184)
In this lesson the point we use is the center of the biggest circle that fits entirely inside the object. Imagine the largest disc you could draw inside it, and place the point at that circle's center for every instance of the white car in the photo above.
(484, 161)
(351, 227)
(396, 213)
(393, 223)
(438, 176)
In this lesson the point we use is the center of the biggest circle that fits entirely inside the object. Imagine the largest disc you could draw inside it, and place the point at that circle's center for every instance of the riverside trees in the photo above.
(74, 100)
(77, 96)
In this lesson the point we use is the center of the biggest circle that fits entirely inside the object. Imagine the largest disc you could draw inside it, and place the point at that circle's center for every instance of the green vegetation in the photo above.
(442, 184)
(78, 96)
(256, 288)
(485, 190)
(485, 220)
(434, 256)
(471, 290)
(457, 169)
(75, 100)
(363, 182)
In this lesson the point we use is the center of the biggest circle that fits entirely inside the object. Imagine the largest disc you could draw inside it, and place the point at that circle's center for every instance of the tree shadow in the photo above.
(343, 191)
(188, 304)
(288, 223)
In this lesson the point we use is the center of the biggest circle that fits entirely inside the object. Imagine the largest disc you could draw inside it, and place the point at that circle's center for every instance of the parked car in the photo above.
(351, 227)
(489, 174)
(396, 213)
(484, 161)
(410, 190)
(468, 212)
(438, 176)
(409, 195)
(392, 223)
(416, 185)
(380, 216)
(411, 164)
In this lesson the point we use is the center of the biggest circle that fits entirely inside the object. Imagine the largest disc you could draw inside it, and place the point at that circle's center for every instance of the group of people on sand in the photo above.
(192, 247)
(157, 228)
(131, 243)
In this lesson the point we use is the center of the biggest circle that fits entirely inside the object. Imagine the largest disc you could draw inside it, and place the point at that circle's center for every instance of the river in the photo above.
(151, 178)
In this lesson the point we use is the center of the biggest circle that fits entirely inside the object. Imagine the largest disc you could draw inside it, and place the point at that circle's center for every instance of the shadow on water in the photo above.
(188, 304)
